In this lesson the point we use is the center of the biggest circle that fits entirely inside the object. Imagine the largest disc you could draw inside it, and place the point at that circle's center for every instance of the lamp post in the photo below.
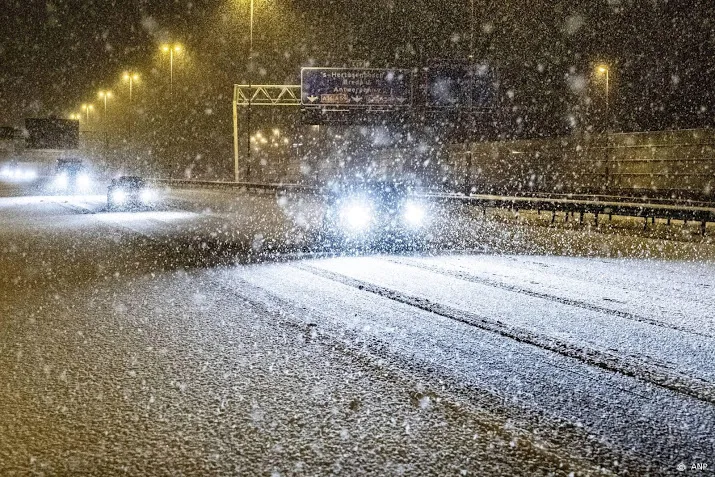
(471, 31)
(171, 49)
(130, 77)
(250, 96)
(605, 70)
(236, 169)
(105, 95)
(87, 108)
(250, 50)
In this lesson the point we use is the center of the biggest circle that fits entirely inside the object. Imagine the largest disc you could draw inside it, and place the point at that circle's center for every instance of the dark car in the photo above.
(129, 192)
(376, 213)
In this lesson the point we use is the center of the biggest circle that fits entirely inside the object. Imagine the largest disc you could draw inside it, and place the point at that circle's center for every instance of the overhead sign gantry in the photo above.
(333, 95)
(259, 95)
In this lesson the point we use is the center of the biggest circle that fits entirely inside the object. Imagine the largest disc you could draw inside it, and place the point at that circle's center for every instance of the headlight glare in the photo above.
(414, 214)
(119, 196)
(61, 181)
(356, 215)
(147, 195)
(83, 181)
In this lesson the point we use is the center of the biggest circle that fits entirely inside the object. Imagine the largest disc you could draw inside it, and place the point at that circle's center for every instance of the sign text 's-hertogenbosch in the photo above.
(366, 87)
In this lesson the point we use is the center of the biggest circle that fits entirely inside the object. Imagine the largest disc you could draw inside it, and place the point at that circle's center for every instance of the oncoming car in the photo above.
(383, 215)
(130, 192)
(18, 172)
(71, 177)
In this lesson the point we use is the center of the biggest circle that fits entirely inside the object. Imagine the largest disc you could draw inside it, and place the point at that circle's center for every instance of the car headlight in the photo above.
(83, 181)
(147, 195)
(119, 196)
(61, 181)
(414, 214)
(356, 215)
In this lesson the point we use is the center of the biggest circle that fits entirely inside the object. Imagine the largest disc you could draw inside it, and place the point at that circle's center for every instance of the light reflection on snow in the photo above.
(144, 215)
(47, 199)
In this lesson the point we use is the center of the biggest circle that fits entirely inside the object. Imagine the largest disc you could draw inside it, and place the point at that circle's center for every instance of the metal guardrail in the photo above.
(630, 196)
(255, 186)
(598, 206)
(652, 211)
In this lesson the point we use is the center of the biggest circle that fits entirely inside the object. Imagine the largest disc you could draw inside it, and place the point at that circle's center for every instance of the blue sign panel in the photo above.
(453, 84)
(358, 87)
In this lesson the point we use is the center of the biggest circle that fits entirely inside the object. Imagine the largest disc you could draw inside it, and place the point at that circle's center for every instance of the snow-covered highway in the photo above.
(211, 335)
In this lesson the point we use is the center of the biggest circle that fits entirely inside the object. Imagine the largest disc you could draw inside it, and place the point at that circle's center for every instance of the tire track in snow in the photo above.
(311, 322)
(468, 277)
(654, 374)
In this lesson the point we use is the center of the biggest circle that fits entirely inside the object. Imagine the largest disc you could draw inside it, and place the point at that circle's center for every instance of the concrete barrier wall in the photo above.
(658, 163)
(662, 163)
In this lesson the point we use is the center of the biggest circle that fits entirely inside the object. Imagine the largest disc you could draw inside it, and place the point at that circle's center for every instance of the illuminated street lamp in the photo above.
(105, 95)
(236, 170)
(171, 49)
(87, 108)
(250, 74)
(75, 116)
(131, 78)
(605, 70)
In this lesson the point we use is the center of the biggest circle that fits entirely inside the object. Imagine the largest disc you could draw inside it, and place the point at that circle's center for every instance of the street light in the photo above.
(131, 78)
(87, 108)
(171, 49)
(250, 52)
(605, 70)
(471, 31)
(250, 75)
(105, 95)
(236, 171)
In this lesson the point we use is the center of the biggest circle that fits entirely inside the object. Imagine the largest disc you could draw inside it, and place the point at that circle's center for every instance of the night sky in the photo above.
(57, 54)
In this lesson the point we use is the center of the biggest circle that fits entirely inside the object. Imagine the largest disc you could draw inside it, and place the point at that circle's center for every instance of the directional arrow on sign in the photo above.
(312, 99)
(356, 99)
